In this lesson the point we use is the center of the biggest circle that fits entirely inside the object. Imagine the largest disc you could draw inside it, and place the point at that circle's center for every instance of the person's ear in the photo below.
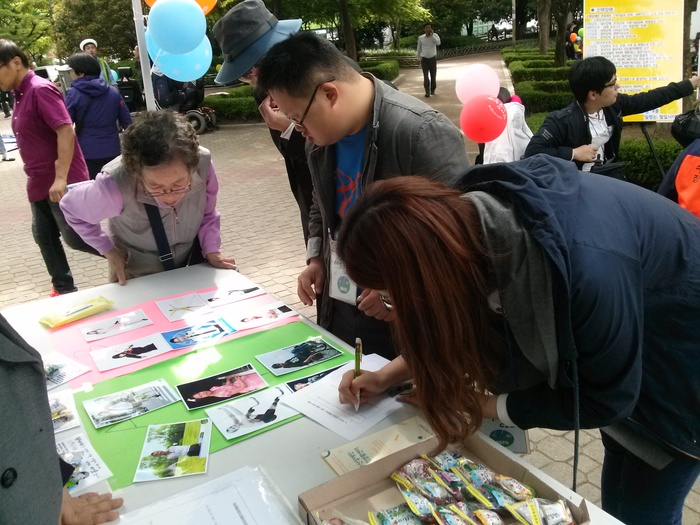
(330, 93)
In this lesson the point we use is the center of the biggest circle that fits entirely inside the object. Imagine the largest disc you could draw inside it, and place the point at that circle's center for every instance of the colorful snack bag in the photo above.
(488, 517)
(502, 497)
(514, 488)
(447, 516)
(419, 504)
(76, 312)
(446, 460)
(400, 515)
(538, 511)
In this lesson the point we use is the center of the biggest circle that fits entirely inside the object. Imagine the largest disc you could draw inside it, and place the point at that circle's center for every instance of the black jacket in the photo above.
(567, 129)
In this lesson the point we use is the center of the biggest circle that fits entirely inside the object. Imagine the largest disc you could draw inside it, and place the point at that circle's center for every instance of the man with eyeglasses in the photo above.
(358, 130)
(588, 130)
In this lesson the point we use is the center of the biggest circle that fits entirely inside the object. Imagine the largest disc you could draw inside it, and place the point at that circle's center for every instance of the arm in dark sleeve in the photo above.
(550, 140)
(607, 322)
(668, 184)
(641, 102)
(66, 470)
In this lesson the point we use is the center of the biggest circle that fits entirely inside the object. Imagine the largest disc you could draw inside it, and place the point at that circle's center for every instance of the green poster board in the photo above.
(120, 445)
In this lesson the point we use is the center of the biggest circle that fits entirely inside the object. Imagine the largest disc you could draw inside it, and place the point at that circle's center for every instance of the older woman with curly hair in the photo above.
(162, 169)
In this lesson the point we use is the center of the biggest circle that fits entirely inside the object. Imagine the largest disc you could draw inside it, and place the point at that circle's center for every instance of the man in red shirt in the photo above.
(52, 159)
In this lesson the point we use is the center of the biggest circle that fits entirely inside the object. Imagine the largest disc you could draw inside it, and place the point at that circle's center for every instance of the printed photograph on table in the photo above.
(59, 369)
(252, 413)
(221, 387)
(203, 334)
(224, 296)
(63, 413)
(298, 384)
(127, 353)
(301, 355)
(245, 316)
(174, 450)
(128, 404)
(115, 325)
(89, 467)
(182, 307)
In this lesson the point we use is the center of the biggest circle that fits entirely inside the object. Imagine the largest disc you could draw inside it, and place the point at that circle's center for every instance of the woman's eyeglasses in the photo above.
(174, 191)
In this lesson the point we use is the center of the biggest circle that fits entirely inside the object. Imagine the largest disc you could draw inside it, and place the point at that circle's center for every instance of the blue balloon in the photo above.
(177, 26)
(181, 67)
(115, 77)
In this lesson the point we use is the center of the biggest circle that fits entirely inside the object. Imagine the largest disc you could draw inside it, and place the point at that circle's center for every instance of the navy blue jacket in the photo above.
(626, 270)
(564, 130)
(98, 135)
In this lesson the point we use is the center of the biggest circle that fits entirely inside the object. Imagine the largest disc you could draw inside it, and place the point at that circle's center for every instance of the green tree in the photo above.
(109, 22)
(28, 24)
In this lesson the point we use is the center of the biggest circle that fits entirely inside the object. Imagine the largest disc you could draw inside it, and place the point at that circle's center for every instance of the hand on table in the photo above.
(89, 509)
(117, 265)
(219, 261)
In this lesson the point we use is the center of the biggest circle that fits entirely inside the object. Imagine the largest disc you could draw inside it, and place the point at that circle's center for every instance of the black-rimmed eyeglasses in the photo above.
(610, 84)
(300, 122)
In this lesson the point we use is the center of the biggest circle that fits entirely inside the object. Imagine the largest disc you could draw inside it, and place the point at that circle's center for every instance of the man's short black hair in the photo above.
(299, 63)
(84, 64)
(590, 74)
(10, 50)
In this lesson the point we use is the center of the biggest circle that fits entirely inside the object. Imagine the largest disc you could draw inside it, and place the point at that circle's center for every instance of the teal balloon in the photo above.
(115, 77)
(580, 32)
(181, 67)
(177, 26)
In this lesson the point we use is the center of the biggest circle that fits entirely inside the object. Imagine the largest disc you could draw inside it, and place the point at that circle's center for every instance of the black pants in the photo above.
(94, 166)
(349, 322)
(48, 225)
(429, 67)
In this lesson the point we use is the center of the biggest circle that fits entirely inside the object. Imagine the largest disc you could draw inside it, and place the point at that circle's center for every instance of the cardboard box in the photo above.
(370, 489)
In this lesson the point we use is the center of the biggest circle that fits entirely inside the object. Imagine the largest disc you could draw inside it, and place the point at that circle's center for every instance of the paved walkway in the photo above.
(261, 229)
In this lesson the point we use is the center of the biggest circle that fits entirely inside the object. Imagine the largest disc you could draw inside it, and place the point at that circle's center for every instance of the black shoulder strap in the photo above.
(166, 254)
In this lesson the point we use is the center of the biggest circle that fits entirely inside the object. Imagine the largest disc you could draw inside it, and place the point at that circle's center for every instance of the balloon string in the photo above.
(155, 58)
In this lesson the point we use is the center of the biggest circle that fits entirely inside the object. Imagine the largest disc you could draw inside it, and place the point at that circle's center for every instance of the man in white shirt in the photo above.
(427, 55)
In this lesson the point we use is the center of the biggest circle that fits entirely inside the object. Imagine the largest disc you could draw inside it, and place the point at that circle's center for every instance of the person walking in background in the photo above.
(95, 107)
(6, 101)
(52, 159)
(90, 46)
(427, 55)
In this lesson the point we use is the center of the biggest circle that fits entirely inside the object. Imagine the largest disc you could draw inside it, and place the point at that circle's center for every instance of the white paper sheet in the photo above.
(244, 497)
(319, 401)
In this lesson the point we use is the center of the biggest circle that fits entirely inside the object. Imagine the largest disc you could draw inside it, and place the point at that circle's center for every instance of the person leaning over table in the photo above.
(162, 165)
(521, 287)
(32, 476)
(589, 129)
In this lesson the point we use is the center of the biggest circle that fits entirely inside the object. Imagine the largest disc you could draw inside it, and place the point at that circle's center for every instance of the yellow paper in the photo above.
(77, 311)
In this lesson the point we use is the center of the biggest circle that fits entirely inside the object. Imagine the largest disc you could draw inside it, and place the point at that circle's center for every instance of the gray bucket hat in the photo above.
(245, 34)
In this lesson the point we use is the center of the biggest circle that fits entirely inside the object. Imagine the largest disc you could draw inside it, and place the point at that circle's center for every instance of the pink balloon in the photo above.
(483, 118)
(476, 79)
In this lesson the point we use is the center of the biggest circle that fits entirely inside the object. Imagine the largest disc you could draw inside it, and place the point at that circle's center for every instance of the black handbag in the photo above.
(686, 127)
(612, 168)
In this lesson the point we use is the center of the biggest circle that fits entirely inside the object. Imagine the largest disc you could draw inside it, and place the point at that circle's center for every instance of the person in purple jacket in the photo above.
(95, 107)
(52, 159)
(162, 168)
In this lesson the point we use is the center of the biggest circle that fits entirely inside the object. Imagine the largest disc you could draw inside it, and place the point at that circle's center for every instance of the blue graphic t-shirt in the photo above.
(348, 171)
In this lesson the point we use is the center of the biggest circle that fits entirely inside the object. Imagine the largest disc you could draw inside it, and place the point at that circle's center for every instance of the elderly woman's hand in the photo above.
(117, 265)
(219, 261)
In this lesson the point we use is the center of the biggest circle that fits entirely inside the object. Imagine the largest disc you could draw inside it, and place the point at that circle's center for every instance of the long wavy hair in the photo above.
(423, 243)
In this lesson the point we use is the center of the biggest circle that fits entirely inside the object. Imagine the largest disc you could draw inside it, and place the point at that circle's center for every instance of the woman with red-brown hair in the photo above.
(547, 299)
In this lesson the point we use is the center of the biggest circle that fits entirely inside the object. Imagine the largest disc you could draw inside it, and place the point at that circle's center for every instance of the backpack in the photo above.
(165, 91)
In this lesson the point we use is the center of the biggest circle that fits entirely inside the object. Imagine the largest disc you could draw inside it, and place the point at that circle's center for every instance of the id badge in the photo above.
(341, 286)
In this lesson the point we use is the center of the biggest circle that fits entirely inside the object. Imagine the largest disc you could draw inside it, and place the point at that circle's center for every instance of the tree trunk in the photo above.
(396, 34)
(521, 19)
(470, 27)
(348, 34)
(277, 8)
(560, 48)
(544, 21)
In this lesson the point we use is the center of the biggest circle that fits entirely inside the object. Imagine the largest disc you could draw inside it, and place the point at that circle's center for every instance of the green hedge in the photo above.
(387, 70)
(512, 57)
(232, 107)
(641, 166)
(522, 73)
(241, 91)
(544, 96)
(535, 120)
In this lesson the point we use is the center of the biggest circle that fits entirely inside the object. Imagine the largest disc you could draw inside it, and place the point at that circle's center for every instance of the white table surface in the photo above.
(290, 454)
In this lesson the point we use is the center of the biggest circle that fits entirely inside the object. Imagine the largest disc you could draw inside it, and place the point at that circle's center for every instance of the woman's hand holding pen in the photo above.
(371, 304)
(369, 384)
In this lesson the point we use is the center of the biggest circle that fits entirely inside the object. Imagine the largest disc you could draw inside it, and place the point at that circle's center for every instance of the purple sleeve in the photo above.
(210, 230)
(85, 205)
(51, 106)
(70, 103)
